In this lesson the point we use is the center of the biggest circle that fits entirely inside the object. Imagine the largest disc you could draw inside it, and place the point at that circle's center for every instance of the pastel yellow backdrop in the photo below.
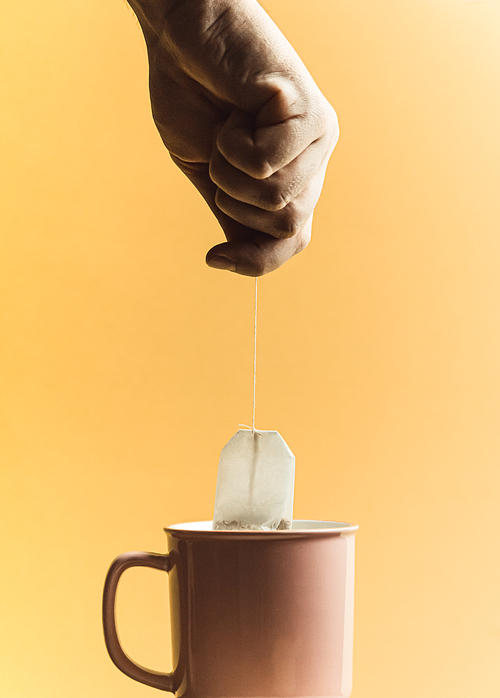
(127, 364)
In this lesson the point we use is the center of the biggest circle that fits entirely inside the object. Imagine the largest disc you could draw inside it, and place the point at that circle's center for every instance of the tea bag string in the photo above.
(254, 363)
(254, 356)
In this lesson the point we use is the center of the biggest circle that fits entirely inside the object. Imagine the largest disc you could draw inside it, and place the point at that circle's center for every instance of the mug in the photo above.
(254, 614)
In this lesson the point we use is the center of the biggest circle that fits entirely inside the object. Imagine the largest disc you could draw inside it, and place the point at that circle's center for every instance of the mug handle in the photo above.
(156, 679)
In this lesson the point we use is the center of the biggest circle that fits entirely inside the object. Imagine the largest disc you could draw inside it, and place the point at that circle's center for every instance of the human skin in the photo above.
(243, 119)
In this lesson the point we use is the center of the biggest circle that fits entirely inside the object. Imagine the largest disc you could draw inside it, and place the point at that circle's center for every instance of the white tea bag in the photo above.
(255, 483)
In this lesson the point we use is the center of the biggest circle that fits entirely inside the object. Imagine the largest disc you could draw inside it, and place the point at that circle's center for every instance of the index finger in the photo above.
(261, 145)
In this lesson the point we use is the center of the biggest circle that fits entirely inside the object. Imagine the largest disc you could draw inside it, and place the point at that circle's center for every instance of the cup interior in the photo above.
(297, 525)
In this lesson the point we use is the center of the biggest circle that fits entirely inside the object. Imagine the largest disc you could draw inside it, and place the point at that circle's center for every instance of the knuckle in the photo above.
(258, 168)
(331, 124)
(259, 267)
(303, 240)
(273, 198)
(289, 222)
(327, 125)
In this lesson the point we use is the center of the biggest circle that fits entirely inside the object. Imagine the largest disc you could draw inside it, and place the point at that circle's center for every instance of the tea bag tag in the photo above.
(255, 483)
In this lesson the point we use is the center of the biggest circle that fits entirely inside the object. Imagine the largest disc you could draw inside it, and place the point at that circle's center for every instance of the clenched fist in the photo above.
(243, 119)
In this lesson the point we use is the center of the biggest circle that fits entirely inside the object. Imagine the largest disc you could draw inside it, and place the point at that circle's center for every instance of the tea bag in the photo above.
(255, 483)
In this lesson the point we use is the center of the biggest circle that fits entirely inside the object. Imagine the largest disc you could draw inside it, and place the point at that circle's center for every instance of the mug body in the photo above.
(262, 614)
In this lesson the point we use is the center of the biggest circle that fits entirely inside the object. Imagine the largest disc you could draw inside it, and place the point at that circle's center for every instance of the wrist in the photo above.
(152, 14)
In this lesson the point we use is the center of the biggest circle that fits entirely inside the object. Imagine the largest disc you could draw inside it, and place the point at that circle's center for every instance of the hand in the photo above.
(243, 119)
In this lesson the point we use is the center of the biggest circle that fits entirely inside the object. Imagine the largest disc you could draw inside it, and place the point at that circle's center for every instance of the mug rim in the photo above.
(299, 527)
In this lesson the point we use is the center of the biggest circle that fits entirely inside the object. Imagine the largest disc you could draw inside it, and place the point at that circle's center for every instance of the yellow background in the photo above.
(126, 364)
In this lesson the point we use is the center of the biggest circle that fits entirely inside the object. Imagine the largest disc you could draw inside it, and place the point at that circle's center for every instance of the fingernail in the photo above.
(220, 262)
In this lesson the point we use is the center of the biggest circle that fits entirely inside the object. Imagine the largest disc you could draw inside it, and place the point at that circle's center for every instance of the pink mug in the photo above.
(254, 614)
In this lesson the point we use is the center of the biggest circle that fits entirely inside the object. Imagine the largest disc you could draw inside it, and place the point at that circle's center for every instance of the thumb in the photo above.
(252, 253)
(247, 251)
